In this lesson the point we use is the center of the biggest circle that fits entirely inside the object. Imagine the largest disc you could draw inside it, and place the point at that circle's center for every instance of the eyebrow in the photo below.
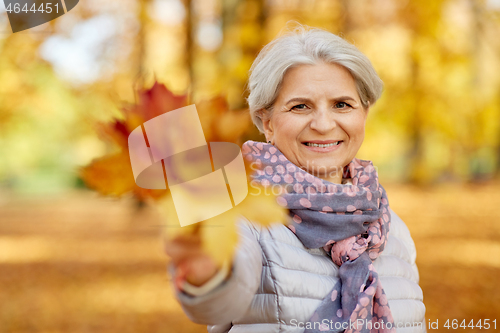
(304, 99)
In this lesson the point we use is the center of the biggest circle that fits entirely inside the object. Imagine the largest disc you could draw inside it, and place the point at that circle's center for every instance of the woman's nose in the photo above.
(323, 121)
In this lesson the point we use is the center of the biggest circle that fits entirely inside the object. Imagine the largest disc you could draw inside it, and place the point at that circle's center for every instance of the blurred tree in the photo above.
(244, 24)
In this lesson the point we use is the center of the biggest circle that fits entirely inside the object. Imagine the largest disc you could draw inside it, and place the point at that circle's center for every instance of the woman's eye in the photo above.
(342, 105)
(298, 107)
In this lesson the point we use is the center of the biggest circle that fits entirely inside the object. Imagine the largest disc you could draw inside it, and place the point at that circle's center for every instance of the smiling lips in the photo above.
(322, 146)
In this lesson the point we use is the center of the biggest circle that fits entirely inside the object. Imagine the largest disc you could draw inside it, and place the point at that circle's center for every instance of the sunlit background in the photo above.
(75, 259)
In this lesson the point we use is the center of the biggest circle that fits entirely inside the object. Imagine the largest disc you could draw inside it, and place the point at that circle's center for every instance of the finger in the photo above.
(199, 269)
(180, 252)
(189, 239)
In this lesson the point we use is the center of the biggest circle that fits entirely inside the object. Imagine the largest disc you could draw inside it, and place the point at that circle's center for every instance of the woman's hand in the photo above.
(191, 262)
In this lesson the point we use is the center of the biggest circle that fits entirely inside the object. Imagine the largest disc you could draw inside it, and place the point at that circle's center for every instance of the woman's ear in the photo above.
(268, 127)
(367, 109)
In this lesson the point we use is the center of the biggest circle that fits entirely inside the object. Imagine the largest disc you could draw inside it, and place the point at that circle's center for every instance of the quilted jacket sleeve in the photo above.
(399, 276)
(231, 299)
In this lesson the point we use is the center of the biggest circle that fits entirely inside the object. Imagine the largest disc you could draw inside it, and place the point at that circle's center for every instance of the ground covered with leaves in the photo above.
(82, 263)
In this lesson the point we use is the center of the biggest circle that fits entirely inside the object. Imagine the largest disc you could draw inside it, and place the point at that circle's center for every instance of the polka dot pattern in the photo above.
(331, 215)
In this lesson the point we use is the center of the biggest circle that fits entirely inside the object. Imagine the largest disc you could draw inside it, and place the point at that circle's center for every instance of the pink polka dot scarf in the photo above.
(350, 222)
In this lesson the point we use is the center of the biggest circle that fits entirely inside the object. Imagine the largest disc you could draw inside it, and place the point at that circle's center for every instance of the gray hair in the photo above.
(308, 46)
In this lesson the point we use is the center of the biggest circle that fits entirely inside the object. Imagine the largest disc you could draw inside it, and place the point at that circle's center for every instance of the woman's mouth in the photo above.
(310, 144)
(322, 146)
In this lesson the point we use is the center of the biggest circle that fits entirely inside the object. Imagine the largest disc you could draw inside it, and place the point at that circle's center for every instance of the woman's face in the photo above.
(318, 121)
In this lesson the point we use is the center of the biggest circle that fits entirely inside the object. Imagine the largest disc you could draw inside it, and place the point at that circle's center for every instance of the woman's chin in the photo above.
(325, 165)
(324, 171)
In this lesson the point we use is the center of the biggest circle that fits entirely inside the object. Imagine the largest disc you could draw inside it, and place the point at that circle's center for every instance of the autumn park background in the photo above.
(81, 245)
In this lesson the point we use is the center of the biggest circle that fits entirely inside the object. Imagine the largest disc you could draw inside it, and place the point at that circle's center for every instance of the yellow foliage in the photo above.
(219, 235)
(112, 174)
(109, 175)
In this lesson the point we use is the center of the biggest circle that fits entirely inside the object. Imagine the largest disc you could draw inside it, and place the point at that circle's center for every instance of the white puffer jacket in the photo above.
(277, 283)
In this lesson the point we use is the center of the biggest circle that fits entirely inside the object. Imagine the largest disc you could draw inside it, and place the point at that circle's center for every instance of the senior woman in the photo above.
(345, 261)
